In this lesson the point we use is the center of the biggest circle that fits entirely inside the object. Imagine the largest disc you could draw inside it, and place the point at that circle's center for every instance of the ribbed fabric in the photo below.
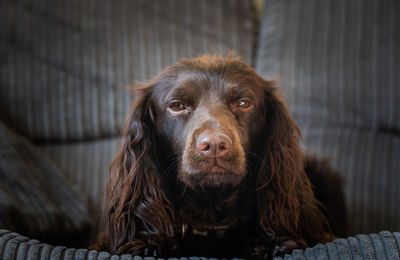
(370, 163)
(86, 164)
(384, 245)
(35, 198)
(66, 65)
(338, 62)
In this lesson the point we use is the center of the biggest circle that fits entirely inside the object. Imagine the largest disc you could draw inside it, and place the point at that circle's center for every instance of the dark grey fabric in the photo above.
(370, 162)
(338, 63)
(65, 65)
(338, 60)
(384, 245)
(86, 164)
(35, 198)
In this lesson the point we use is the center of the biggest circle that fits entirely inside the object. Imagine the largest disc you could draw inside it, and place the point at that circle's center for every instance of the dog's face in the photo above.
(210, 115)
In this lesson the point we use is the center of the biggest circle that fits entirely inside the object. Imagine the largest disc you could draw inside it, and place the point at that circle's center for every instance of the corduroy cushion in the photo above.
(35, 198)
(385, 245)
(338, 62)
(65, 65)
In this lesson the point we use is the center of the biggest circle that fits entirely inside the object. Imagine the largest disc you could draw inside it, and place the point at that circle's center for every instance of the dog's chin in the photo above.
(212, 177)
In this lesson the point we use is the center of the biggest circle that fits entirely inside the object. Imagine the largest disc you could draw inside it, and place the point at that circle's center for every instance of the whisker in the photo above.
(254, 155)
(250, 165)
(169, 156)
(169, 172)
(172, 164)
(184, 189)
(170, 168)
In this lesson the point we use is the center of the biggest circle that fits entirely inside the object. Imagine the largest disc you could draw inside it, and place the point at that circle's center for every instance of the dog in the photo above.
(210, 165)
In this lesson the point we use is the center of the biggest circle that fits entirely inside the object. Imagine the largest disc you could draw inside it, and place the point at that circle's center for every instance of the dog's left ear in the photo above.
(286, 204)
(137, 213)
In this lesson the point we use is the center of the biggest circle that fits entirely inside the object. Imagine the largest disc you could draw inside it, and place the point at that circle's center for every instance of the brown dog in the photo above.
(210, 165)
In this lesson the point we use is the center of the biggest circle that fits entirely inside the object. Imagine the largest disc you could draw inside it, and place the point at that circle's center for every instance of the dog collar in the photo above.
(210, 231)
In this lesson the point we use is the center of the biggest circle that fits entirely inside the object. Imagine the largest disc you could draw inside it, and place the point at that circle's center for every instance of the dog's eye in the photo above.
(176, 106)
(244, 104)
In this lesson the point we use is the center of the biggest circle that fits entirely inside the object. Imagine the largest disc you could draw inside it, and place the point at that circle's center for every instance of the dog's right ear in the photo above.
(286, 203)
(137, 213)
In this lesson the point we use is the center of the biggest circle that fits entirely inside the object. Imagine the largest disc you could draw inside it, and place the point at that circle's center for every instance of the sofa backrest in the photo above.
(66, 65)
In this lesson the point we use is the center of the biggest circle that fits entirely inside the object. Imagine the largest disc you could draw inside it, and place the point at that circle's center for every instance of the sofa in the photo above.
(67, 67)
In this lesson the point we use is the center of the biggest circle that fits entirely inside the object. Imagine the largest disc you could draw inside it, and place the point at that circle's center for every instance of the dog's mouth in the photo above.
(212, 168)
(215, 172)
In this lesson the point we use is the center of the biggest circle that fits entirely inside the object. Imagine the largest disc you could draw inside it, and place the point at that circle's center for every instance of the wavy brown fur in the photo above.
(285, 193)
(135, 205)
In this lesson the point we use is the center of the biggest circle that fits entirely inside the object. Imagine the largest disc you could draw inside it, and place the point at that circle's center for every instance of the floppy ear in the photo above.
(137, 213)
(286, 204)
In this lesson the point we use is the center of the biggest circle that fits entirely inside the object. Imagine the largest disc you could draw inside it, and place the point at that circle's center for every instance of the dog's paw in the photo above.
(283, 247)
(259, 252)
(267, 249)
(286, 245)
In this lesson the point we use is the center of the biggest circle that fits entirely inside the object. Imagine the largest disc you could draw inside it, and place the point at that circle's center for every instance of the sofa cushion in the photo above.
(35, 198)
(86, 165)
(369, 160)
(338, 63)
(66, 65)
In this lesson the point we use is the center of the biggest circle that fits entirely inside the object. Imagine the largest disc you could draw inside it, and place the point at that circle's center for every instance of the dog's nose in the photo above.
(213, 144)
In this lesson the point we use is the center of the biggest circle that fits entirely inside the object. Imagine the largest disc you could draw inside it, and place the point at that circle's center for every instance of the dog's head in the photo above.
(210, 112)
